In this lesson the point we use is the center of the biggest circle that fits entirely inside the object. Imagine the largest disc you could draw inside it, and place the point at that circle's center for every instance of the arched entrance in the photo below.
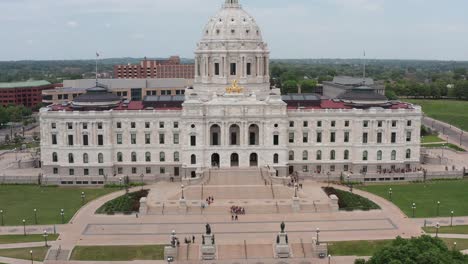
(215, 135)
(254, 135)
(215, 160)
(193, 174)
(291, 170)
(253, 160)
(234, 160)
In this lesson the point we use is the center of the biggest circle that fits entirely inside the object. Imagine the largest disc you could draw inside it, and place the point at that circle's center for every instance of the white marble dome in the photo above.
(232, 23)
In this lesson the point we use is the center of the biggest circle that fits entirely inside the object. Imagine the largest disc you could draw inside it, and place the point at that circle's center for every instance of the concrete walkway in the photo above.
(443, 221)
(30, 229)
(17, 261)
(455, 135)
(26, 245)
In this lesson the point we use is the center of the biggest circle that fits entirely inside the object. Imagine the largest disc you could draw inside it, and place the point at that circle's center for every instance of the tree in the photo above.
(421, 250)
(289, 87)
(308, 86)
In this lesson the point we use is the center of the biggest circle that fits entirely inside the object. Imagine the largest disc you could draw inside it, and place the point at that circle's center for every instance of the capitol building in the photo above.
(230, 118)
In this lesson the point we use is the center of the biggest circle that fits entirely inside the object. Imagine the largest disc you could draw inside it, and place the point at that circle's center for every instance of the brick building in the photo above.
(28, 94)
(170, 68)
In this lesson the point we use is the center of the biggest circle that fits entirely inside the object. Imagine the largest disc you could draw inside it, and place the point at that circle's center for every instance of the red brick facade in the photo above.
(170, 68)
(27, 96)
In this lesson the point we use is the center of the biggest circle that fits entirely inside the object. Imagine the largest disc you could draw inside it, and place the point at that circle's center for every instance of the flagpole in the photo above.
(97, 56)
(364, 72)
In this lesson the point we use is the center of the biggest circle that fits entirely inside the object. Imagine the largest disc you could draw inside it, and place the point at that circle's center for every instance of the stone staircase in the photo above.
(58, 254)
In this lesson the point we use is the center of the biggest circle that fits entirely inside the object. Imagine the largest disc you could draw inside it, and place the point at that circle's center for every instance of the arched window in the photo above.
(254, 135)
(100, 158)
(346, 155)
(305, 155)
(215, 135)
(275, 159)
(148, 157)
(291, 155)
(319, 155)
(119, 157)
(54, 157)
(332, 155)
(193, 159)
(408, 153)
(394, 155)
(365, 155)
(162, 157)
(85, 158)
(134, 157)
(71, 158)
(379, 155)
(176, 157)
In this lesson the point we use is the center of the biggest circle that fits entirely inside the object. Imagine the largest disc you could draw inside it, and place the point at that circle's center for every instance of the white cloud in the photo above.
(72, 24)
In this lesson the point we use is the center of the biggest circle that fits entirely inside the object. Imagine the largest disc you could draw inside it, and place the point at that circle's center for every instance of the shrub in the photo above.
(127, 203)
(349, 201)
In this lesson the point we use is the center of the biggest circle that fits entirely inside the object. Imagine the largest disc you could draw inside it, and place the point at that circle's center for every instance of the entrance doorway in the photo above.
(215, 160)
(253, 160)
(291, 170)
(234, 160)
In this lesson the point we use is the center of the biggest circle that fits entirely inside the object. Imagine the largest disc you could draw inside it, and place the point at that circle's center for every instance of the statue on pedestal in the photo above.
(283, 225)
(208, 229)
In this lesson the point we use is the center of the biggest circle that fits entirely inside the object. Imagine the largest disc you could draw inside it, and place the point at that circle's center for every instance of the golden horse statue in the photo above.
(235, 88)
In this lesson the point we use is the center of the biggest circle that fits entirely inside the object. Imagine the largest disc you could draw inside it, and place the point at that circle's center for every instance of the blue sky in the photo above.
(390, 29)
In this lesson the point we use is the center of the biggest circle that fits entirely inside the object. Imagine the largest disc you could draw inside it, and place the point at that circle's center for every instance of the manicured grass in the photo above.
(451, 194)
(19, 201)
(463, 229)
(356, 248)
(39, 253)
(127, 203)
(118, 253)
(442, 145)
(449, 111)
(431, 139)
(11, 239)
(368, 248)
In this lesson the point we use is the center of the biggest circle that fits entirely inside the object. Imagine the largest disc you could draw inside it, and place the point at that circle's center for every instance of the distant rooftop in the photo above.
(24, 84)
(352, 81)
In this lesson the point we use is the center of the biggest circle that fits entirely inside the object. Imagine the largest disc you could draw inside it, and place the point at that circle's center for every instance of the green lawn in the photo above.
(431, 139)
(118, 253)
(463, 229)
(19, 201)
(11, 239)
(451, 195)
(449, 111)
(11, 146)
(39, 253)
(368, 248)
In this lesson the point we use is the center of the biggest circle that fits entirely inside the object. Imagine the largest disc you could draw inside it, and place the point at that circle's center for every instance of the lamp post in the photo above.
(390, 192)
(438, 207)
(1, 213)
(451, 218)
(83, 197)
(295, 189)
(62, 214)
(454, 246)
(318, 232)
(45, 235)
(437, 229)
(328, 174)
(182, 188)
(120, 182)
(414, 209)
(329, 259)
(142, 176)
(32, 259)
(24, 226)
(35, 216)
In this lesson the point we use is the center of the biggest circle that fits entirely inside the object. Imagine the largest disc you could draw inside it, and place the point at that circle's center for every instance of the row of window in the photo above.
(133, 157)
(346, 123)
(148, 170)
(332, 156)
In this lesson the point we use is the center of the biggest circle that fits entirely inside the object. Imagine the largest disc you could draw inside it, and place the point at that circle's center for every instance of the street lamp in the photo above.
(45, 235)
(35, 216)
(32, 259)
(295, 189)
(182, 187)
(454, 246)
(414, 209)
(438, 207)
(1, 213)
(451, 218)
(329, 259)
(62, 214)
(328, 174)
(142, 176)
(24, 226)
(83, 197)
(437, 229)
(390, 192)
(318, 231)
(120, 182)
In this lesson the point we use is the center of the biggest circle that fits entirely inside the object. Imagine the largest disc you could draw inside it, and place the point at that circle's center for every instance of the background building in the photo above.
(170, 68)
(341, 84)
(28, 93)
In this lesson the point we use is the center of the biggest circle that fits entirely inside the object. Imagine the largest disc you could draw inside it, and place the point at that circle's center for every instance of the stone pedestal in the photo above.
(334, 203)
(170, 252)
(319, 251)
(143, 206)
(282, 249)
(208, 248)
(183, 205)
(296, 204)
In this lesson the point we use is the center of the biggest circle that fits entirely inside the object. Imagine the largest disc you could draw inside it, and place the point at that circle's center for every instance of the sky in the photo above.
(385, 29)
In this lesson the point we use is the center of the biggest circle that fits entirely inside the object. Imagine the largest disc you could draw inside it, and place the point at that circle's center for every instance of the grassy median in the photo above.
(118, 253)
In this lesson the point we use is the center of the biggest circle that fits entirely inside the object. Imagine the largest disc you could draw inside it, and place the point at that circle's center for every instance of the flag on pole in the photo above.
(97, 54)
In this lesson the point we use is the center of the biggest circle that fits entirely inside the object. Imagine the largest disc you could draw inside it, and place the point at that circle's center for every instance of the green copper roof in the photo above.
(24, 84)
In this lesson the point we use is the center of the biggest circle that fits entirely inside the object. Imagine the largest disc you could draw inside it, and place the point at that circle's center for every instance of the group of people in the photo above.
(235, 211)
(210, 200)
(188, 241)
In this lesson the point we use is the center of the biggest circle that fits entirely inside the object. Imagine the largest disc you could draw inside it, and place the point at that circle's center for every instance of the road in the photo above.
(455, 135)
